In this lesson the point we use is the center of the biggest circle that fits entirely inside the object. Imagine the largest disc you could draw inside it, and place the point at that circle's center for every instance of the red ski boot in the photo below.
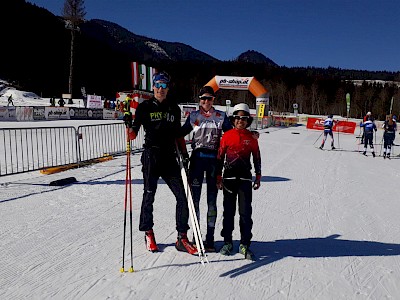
(183, 244)
(150, 241)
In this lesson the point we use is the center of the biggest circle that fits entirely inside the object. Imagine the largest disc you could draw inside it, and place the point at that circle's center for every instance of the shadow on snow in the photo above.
(331, 246)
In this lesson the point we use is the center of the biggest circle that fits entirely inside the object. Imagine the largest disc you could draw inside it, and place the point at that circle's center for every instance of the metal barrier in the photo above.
(29, 149)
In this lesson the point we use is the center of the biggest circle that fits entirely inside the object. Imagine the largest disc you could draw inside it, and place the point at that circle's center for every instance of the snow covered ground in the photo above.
(23, 98)
(326, 226)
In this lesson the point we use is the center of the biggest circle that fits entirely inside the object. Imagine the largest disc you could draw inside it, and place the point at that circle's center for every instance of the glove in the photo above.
(220, 184)
(257, 182)
(128, 119)
(131, 134)
(375, 129)
(185, 160)
(255, 134)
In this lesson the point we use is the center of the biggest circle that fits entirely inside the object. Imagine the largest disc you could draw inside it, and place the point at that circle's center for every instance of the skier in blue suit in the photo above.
(328, 126)
(369, 128)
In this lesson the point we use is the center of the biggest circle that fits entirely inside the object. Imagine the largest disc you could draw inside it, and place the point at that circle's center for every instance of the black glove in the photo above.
(185, 161)
(128, 119)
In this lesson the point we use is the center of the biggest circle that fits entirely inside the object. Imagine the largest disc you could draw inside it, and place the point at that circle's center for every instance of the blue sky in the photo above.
(348, 34)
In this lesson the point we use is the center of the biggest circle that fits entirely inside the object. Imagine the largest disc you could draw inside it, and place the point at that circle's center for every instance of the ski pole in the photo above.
(128, 192)
(192, 211)
(318, 137)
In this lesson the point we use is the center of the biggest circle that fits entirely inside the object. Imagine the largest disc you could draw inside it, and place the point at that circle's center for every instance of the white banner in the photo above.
(261, 100)
(94, 101)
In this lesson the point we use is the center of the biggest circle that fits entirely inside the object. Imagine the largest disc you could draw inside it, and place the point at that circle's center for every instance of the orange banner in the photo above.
(339, 126)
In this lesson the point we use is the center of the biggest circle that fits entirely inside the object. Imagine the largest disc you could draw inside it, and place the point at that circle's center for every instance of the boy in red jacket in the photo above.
(236, 147)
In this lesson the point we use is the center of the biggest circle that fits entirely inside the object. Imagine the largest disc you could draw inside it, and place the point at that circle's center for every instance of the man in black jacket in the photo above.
(160, 118)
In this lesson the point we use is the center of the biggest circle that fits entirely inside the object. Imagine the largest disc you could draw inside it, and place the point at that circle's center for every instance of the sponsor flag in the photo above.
(391, 105)
(348, 103)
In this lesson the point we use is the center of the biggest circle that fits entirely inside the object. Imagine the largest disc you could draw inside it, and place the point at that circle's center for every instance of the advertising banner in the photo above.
(24, 113)
(233, 82)
(94, 101)
(56, 113)
(7, 114)
(340, 126)
(78, 113)
(39, 113)
(96, 114)
(110, 114)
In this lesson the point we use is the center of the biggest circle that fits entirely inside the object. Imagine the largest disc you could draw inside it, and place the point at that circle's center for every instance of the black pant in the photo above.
(242, 191)
(368, 140)
(388, 138)
(157, 163)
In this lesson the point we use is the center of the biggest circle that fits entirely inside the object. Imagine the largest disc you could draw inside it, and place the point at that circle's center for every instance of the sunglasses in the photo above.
(161, 85)
(206, 98)
(243, 118)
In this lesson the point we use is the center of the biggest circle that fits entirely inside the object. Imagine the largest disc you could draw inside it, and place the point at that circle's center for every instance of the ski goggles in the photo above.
(243, 118)
(163, 85)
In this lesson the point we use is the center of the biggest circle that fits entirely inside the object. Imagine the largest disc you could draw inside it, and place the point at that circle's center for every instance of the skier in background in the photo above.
(10, 101)
(369, 114)
(328, 126)
(369, 128)
(389, 135)
(61, 102)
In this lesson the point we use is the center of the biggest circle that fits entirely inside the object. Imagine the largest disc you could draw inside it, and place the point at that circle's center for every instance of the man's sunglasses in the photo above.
(209, 98)
(161, 85)
(243, 118)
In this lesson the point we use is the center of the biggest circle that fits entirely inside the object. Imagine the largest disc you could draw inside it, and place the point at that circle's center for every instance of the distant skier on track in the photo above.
(369, 128)
(328, 126)
(389, 135)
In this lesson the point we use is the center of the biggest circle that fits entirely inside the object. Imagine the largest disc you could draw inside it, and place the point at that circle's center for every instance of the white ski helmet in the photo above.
(368, 113)
(241, 106)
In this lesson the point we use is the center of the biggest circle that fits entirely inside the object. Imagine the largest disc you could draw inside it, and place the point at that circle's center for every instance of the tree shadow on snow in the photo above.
(331, 246)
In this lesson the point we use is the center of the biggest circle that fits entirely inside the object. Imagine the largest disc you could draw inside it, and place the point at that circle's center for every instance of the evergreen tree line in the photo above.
(316, 90)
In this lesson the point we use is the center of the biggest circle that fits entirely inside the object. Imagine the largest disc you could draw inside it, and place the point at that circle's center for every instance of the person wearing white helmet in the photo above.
(365, 119)
(369, 128)
(234, 155)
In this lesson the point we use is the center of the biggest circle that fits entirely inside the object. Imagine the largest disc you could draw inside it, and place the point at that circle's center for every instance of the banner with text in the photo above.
(339, 126)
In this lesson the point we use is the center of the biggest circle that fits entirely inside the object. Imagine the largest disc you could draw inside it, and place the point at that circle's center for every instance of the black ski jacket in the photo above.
(161, 123)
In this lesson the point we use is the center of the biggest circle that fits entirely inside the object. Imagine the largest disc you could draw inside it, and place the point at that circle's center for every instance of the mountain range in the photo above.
(37, 52)
(35, 56)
